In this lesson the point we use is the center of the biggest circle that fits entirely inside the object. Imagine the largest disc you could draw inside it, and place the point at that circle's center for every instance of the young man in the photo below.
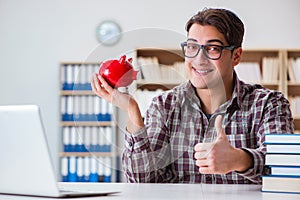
(209, 129)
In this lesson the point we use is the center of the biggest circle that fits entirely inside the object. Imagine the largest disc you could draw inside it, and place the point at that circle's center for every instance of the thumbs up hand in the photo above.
(220, 157)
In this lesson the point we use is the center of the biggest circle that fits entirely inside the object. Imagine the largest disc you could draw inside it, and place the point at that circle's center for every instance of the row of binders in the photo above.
(282, 163)
(152, 70)
(87, 139)
(86, 169)
(77, 76)
(253, 73)
(85, 108)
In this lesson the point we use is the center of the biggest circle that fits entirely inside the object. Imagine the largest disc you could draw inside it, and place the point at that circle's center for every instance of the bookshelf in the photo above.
(293, 84)
(279, 82)
(258, 56)
(88, 131)
(166, 58)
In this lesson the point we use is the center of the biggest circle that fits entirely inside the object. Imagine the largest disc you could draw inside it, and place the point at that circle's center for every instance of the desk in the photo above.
(132, 191)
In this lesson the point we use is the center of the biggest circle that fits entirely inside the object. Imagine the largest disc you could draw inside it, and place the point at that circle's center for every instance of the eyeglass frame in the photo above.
(202, 46)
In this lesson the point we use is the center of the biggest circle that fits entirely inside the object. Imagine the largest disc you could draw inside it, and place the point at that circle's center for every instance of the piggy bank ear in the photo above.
(129, 60)
(122, 60)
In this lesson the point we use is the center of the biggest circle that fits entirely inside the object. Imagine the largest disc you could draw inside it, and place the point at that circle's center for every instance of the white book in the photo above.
(283, 159)
(285, 184)
(70, 105)
(76, 69)
(103, 107)
(283, 148)
(248, 72)
(80, 168)
(72, 165)
(150, 68)
(87, 167)
(93, 165)
(90, 105)
(76, 105)
(181, 70)
(285, 170)
(108, 165)
(64, 166)
(297, 105)
(296, 69)
(96, 68)
(97, 105)
(80, 135)
(63, 104)
(87, 137)
(73, 136)
(94, 136)
(69, 75)
(282, 138)
(291, 72)
(89, 73)
(82, 75)
(83, 105)
(66, 136)
(101, 137)
(100, 166)
(63, 74)
(110, 108)
(109, 135)
(265, 70)
(165, 73)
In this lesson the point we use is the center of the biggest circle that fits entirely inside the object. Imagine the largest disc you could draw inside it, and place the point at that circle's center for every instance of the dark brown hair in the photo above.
(225, 21)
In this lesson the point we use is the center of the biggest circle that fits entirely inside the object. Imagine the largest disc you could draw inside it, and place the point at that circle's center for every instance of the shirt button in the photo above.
(208, 178)
(130, 144)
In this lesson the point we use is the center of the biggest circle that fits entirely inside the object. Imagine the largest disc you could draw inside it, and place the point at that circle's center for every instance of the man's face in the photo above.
(205, 73)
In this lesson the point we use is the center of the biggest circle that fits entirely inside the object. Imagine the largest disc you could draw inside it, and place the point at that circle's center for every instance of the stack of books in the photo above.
(282, 163)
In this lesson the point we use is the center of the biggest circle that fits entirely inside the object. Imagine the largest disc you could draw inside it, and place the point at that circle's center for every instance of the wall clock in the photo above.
(108, 33)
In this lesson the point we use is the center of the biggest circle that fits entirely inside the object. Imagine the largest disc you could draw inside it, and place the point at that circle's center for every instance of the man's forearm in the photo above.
(134, 117)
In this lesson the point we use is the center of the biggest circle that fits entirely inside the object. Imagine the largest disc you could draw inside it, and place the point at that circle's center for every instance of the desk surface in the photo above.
(172, 191)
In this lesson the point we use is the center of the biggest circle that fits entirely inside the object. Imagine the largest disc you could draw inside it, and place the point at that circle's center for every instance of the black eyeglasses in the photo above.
(211, 51)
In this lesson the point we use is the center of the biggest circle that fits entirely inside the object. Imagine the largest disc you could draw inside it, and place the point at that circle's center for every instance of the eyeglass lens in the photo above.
(211, 51)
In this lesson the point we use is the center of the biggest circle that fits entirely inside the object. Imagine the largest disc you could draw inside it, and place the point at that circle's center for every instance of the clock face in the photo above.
(108, 33)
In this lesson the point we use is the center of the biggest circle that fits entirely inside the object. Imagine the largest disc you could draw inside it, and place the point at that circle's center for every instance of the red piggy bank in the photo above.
(118, 73)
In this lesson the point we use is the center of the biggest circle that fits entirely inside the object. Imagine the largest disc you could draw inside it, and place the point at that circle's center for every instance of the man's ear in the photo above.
(236, 56)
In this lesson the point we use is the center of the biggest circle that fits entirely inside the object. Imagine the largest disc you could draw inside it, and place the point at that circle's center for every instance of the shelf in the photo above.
(86, 123)
(84, 63)
(76, 92)
(85, 154)
(271, 86)
(293, 53)
(294, 89)
(297, 122)
(165, 56)
(256, 55)
(152, 86)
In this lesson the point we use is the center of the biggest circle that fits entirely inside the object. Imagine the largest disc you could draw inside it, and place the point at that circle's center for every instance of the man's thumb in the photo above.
(218, 125)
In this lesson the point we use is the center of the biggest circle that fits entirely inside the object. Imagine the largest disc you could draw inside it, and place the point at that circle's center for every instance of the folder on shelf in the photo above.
(64, 169)
(80, 169)
(93, 173)
(72, 173)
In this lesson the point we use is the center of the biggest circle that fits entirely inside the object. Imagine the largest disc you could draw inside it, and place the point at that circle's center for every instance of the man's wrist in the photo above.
(244, 160)
(134, 117)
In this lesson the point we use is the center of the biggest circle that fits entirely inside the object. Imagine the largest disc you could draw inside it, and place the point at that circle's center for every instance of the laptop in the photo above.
(25, 161)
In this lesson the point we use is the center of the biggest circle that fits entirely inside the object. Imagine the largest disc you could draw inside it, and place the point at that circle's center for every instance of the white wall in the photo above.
(35, 35)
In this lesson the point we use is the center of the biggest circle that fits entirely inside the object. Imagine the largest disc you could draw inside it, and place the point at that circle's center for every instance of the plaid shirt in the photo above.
(163, 151)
